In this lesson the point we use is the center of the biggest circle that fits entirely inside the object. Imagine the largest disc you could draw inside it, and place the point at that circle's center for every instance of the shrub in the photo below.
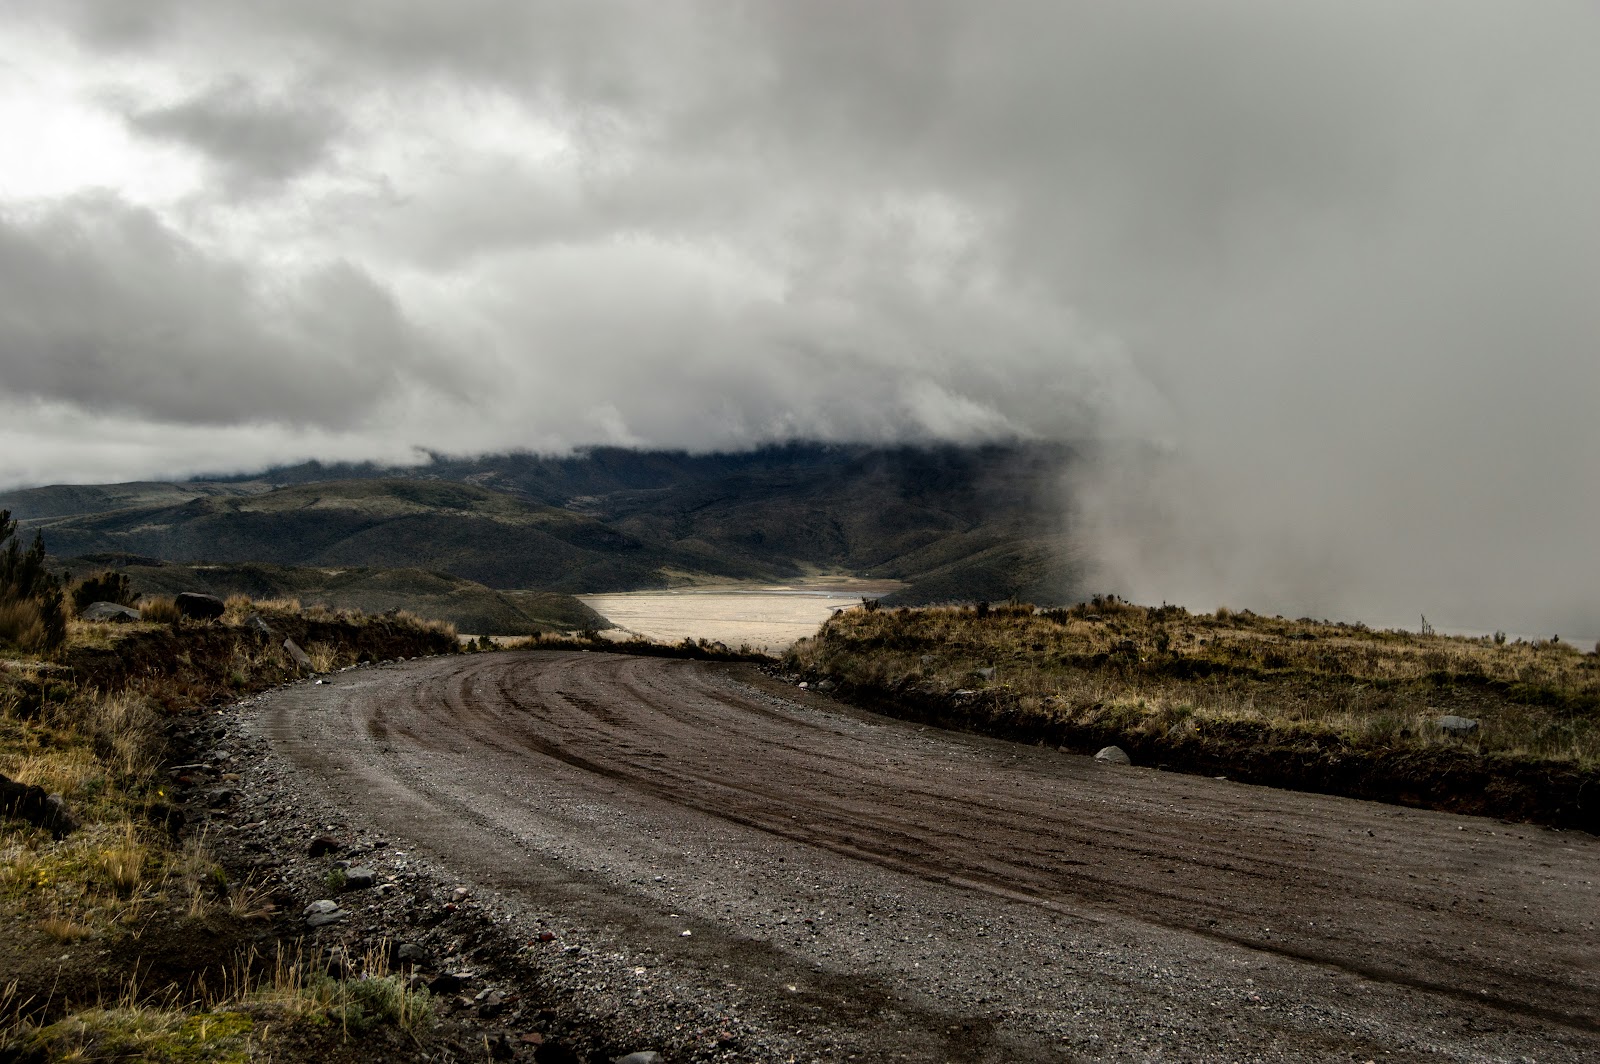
(102, 587)
(31, 593)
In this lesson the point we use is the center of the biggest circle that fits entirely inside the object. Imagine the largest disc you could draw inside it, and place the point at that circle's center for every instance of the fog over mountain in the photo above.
(1314, 282)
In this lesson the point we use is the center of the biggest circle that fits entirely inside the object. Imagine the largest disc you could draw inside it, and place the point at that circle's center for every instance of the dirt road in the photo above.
(731, 848)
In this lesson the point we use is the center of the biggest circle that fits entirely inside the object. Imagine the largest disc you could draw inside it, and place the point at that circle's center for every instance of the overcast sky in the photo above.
(1320, 276)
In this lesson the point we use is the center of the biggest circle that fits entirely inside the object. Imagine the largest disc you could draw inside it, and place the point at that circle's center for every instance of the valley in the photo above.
(766, 618)
(942, 523)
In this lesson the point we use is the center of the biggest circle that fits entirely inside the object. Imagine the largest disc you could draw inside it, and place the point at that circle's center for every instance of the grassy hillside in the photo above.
(70, 500)
(480, 535)
(952, 523)
(1302, 704)
(470, 606)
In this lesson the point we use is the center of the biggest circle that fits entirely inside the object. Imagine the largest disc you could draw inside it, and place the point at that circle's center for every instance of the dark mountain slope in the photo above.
(954, 522)
(68, 500)
(492, 538)
(471, 607)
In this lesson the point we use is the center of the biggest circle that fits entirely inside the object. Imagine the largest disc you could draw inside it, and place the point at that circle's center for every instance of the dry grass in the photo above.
(1160, 670)
(292, 989)
(159, 609)
(121, 863)
(237, 608)
(411, 620)
(102, 750)
(325, 658)
(61, 929)
(21, 626)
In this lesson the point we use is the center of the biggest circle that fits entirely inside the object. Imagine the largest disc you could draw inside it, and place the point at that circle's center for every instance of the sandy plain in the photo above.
(764, 617)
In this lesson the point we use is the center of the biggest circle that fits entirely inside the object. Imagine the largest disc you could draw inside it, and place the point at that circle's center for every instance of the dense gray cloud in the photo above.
(104, 307)
(1313, 278)
(256, 140)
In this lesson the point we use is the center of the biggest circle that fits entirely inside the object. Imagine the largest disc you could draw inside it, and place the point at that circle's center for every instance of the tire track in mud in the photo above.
(1487, 930)
(1011, 832)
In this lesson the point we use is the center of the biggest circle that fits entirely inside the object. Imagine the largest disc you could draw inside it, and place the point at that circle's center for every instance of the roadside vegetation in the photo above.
(1304, 703)
(32, 607)
(592, 639)
(125, 939)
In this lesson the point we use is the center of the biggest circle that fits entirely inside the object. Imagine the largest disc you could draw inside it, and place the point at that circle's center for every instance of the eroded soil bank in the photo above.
(1475, 784)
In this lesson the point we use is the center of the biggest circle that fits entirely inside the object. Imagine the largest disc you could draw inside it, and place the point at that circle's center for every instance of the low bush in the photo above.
(32, 614)
(102, 587)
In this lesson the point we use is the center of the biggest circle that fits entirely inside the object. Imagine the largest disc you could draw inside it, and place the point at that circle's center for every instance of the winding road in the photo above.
(870, 888)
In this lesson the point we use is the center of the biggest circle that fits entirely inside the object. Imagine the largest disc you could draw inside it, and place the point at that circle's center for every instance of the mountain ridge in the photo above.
(951, 522)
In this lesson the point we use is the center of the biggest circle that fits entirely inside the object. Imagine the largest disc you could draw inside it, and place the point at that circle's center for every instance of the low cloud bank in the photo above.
(1311, 282)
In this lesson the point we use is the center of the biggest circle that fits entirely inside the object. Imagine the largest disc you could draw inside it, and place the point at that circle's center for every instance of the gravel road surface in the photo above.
(757, 872)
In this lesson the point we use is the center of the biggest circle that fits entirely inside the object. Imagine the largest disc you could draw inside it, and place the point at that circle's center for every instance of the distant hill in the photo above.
(81, 500)
(954, 523)
(490, 537)
(471, 607)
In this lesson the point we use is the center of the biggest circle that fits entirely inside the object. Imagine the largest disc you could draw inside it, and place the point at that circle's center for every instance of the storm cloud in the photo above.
(1310, 282)
(256, 141)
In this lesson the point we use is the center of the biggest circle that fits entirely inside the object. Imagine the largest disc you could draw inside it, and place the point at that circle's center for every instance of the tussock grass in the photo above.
(236, 608)
(22, 625)
(121, 863)
(159, 609)
(64, 930)
(90, 728)
(294, 989)
(1164, 672)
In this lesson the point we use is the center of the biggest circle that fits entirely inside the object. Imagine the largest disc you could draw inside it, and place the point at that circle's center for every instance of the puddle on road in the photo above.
(767, 618)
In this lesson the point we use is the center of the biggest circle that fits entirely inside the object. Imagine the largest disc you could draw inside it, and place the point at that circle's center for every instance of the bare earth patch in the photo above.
(768, 618)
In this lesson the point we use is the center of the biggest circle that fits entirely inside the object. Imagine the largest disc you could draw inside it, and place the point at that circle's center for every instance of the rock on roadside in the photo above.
(322, 912)
(200, 607)
(32, 804)
(112, 612)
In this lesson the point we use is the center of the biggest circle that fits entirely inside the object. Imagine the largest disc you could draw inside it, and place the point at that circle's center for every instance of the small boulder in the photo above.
(30, 803)
(1460, 727)
(359, 878)
(986, 674)
(1113, 755)
(323, 912)
(648, 1056)
(298, 656)
(446, 983)
(411, 955)
(108, 612)
(323, 845)
(199, 607)
(260, 627)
